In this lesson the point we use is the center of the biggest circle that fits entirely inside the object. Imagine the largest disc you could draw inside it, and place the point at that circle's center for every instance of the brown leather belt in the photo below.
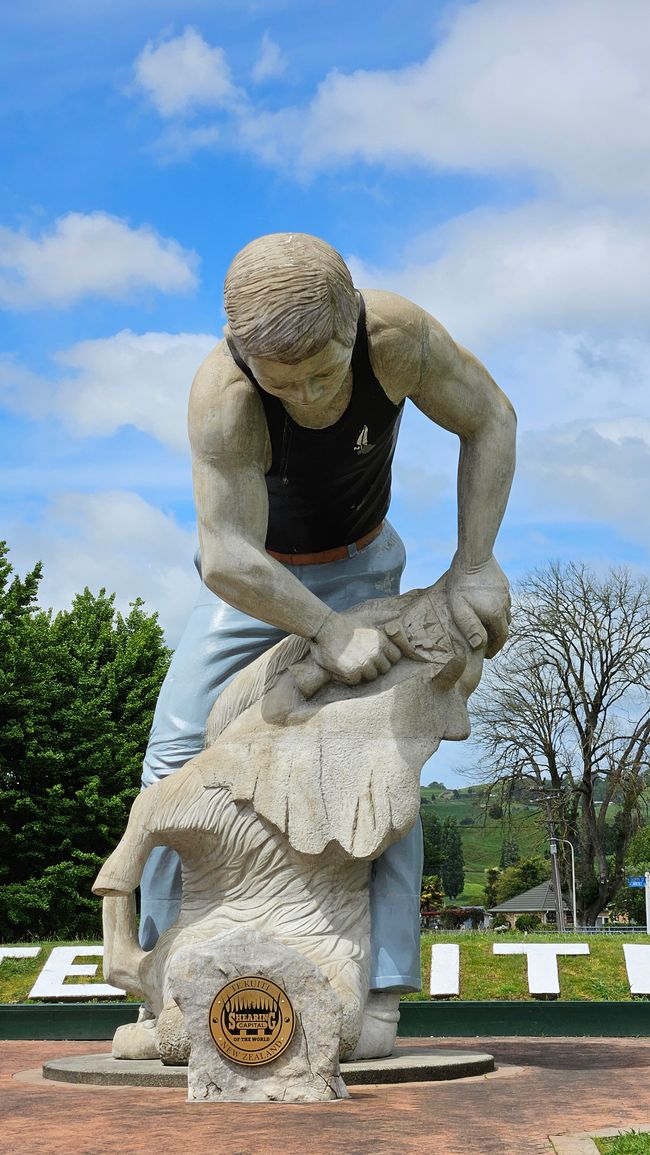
(337, 554)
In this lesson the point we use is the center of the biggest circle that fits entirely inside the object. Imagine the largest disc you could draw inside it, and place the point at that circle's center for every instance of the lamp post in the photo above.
(573, 874)
(557, 887)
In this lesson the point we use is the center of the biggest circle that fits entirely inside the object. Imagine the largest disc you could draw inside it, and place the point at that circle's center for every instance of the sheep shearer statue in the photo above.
(293, 813)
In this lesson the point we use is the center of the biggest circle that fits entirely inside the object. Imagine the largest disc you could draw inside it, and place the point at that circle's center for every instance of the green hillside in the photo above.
(484, 837)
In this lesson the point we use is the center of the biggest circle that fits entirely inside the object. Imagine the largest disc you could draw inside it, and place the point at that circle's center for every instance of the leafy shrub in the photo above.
(527, 922)
(59, 899)
(432, 894)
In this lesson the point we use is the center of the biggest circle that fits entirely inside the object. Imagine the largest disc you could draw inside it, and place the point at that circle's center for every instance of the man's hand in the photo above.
(353, 652)
(479, 601)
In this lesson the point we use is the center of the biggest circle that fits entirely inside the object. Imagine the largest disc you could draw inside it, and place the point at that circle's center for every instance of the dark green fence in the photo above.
(418, 1019)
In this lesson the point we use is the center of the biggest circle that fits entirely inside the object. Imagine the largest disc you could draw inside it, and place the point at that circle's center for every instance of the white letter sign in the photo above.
(543, 976)
(637, 962)
(19, 952)
(445, 970)
(50, 983)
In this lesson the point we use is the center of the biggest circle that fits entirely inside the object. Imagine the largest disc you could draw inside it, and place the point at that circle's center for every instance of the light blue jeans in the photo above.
(218, 642)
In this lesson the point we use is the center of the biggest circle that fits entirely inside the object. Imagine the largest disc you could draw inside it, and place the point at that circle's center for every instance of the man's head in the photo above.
(287, 296)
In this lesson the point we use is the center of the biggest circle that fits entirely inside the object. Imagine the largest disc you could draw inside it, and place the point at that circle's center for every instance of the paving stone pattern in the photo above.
(544, 1086)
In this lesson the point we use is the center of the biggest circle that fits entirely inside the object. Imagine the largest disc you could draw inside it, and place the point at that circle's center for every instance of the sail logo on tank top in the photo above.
(362, 445)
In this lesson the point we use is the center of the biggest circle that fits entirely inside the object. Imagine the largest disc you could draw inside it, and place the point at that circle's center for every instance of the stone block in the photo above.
(307, 1071)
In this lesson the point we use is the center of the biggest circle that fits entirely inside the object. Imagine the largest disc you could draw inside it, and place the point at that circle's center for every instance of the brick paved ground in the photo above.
(544, 1086)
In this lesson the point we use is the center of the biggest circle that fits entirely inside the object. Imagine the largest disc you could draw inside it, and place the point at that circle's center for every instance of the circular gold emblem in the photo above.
(252, 1021)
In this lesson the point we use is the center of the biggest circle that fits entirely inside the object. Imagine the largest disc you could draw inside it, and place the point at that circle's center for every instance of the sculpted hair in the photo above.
(286, 295)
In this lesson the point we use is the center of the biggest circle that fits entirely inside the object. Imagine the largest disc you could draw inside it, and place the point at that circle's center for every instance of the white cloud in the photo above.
(128, 379)
(270, 63)
(132, 379)
(184, 74)
(492, 273)
(180, 141)
(578, 472)
(557, 87)
(91, 254)
(568, 377)
(624, 429)
(114, 540)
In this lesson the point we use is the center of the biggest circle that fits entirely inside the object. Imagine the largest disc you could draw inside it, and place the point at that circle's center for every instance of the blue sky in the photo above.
(490, 160)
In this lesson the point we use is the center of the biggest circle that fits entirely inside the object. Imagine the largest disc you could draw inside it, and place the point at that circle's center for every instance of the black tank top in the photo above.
(329, 487)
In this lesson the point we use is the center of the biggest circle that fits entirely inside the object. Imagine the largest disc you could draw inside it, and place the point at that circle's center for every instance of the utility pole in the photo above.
(555, 870)
(542, 795)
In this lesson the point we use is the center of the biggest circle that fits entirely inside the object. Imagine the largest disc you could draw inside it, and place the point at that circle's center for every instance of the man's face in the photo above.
(311, 383)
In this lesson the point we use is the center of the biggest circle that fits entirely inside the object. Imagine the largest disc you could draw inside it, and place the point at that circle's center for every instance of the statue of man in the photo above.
(293, 423)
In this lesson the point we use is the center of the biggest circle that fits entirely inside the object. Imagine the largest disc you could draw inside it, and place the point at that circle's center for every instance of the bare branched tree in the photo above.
(566, 708)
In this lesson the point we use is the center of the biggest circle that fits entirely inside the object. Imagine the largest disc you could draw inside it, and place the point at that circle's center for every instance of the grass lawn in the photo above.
(600, 976)
(633, 1143)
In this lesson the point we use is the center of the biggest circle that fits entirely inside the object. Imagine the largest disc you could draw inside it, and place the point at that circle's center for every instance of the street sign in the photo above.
(636, 880)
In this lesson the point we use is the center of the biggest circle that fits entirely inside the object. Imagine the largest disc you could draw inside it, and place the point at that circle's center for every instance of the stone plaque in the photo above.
(251, 1021)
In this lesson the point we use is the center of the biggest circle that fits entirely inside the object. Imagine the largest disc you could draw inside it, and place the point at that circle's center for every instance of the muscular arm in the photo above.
(414, 356)
(457, 392)
(230, 449)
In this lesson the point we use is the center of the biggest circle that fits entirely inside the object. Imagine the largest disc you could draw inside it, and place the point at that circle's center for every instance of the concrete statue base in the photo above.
(409, 1064)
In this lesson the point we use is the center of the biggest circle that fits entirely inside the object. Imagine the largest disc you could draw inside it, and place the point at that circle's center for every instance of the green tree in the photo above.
(77, 692)
(21, 674)
(509, 852)
(452, 870)
(524, 875)
(565, 708)
(630, 900)
(432, 834)
(492, 876)
(639, 848)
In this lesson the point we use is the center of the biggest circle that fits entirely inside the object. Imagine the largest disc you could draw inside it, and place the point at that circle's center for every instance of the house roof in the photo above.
(538, 898)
